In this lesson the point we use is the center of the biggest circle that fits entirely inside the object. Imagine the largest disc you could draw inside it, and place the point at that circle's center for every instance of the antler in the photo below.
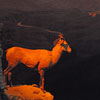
(59, 33)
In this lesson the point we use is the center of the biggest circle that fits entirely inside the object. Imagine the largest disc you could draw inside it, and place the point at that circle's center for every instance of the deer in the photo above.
(44, 58)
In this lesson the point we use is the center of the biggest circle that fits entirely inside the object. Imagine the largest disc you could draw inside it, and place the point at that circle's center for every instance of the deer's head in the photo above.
(63, 43)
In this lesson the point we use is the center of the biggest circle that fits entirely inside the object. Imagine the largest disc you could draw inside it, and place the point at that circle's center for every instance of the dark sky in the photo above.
(28, 5)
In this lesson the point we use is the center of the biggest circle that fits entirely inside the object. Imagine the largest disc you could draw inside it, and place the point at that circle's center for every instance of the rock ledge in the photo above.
(27, 92)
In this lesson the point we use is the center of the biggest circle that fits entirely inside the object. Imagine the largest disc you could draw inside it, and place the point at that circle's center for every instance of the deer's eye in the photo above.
(62, 39)
(65, 42)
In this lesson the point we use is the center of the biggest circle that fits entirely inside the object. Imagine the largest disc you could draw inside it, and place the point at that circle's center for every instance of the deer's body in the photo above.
(31, 58)
(44, 58)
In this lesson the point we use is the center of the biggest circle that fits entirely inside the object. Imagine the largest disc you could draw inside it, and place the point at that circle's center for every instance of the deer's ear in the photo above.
(55, 42)
(61, 36)
(61, 41)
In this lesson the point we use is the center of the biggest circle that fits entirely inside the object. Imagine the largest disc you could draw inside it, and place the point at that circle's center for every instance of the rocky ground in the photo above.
(27, 92)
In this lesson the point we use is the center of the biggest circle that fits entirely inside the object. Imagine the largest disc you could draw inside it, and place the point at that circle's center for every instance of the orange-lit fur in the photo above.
(44, 58)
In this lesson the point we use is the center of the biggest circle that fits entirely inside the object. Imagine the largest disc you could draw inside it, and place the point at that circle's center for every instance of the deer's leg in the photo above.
(9, 78)
(6, 73)
(7, 70)
(41, 72)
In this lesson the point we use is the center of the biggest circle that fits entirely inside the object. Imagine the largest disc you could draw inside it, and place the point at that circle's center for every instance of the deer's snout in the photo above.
(69, 49)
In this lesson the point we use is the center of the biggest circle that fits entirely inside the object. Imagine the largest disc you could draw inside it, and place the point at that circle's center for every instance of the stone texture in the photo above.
(27, 92)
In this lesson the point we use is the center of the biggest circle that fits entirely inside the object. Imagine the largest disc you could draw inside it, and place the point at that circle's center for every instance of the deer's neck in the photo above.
(56, 53)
